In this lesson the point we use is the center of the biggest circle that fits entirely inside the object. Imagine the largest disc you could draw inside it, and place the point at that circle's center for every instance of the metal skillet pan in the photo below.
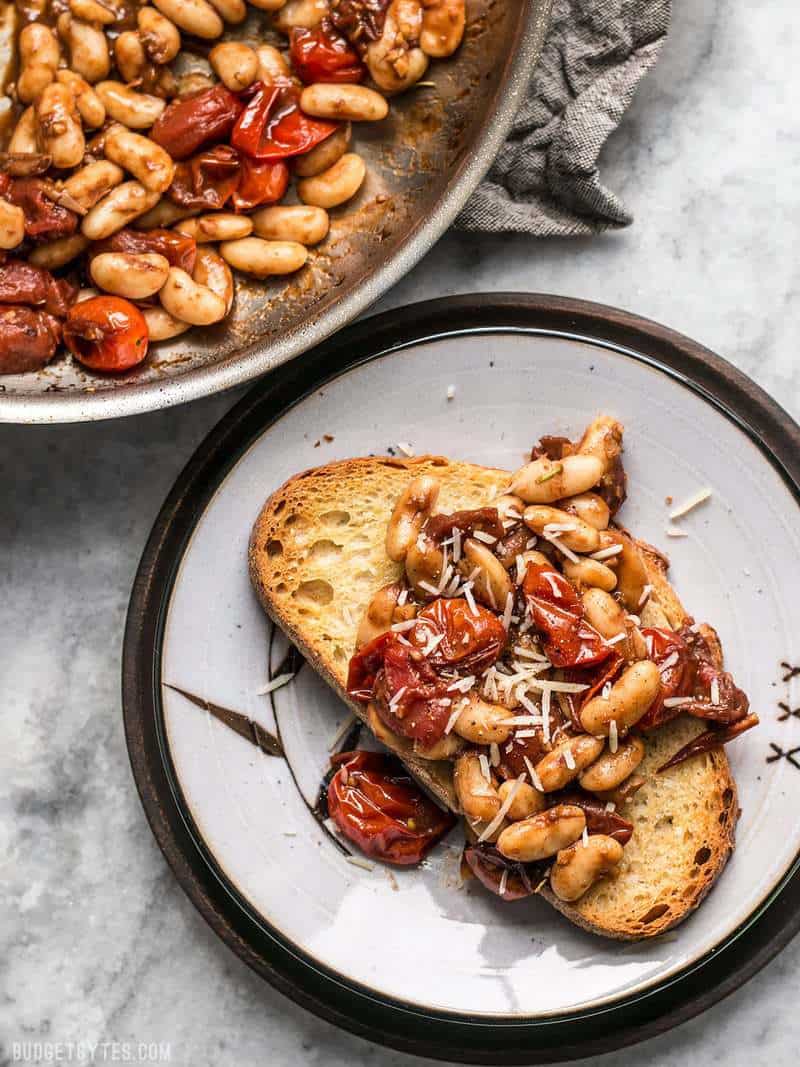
(423, 163)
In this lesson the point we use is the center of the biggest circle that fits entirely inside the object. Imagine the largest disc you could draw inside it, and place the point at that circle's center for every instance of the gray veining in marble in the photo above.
(97, 943)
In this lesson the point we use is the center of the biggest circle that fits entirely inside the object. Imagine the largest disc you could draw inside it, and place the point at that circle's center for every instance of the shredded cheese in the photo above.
(503, 882)
(487, 538)
(484, 762)
(613, 736)
(569, 759)
(673, 531)
(357, 861)
(497, 821)
(508, 610)
(607, 553)
(648, 589)
(456, 544)
(451, 392)
(691, 502)
(536, 781)
(405, 448)
(275, 683)
(715, 691)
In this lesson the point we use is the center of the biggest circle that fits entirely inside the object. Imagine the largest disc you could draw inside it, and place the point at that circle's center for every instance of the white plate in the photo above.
(444, 947)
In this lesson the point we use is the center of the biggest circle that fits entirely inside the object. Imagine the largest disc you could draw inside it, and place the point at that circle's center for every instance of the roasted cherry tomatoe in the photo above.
(323, 55)
(569, 641)
(106, 333)
(272, 127)
(376, 804)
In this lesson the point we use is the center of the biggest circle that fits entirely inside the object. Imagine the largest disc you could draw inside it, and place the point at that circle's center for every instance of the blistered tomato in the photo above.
(375, 804)
(106, 333)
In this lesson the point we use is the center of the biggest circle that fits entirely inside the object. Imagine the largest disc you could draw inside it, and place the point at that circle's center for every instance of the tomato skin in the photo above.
(272, 127)
(557, 613)
(189, 124)
(676, 681)
(106, 333)
(323, 55)
(260, 183)
(388, 665)
(376, 804)
(472, 640)
(208, 180)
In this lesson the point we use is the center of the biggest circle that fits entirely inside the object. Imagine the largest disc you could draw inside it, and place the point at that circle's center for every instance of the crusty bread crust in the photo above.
(316, 557)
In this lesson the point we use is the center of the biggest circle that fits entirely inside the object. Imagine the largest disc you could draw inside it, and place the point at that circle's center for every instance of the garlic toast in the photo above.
(317, 556)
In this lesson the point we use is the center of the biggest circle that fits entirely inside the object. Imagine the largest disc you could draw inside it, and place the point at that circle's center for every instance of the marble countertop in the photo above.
(97, 941)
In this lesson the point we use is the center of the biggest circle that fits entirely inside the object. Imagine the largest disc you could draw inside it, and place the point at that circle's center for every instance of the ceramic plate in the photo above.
(416, 958)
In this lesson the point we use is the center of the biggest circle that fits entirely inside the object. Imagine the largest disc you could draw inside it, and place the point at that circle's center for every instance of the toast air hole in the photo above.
(655, 913)
(314, 593)
(324, 551)
(274, 548)
(703, 855)
(335, 518)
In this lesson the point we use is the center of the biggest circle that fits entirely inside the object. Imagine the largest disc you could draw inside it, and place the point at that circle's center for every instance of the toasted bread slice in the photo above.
(317, 555)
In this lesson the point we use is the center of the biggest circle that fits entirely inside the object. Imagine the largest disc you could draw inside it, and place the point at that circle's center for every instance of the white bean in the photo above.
(578, 867)
(25, 138)
(443, 23)
(305, 14)
(214, 273)
(492, 584)
(543, 835)
(566, 761)
(271, 63)
(160, 324)
(325, 154)
(527, 800)
(88, 49)
(129, 55)
(90, 106)
(91, 183)
(137, 111)
(580, 538)
(160, 36)
(612, 768)
(545, 480)
(591, 573)
(141, 157)
(39, 54)
(394, 63)
(194, 16)
(132, 275)
(626, 703)
(58, 253)
(59, 126)
(252, 255)
(117, 209)
(12, 225)
(234, 11)
(590, 507)
(292, 222)
(186, 300)
(335, 185)
(355, 103)
(164, 214)
(482, 722)
(413, 507)
(236, 64)
(92, 11)
(477, 797)
(222, 226)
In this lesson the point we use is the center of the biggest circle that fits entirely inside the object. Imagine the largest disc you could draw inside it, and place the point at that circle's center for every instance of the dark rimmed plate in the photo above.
(423, 966)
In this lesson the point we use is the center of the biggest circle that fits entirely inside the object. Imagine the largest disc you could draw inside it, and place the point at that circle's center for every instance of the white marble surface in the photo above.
(97, 943)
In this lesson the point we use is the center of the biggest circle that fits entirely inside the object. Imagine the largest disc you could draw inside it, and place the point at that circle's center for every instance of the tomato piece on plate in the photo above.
(569, 641)
(376, 804)
(106, 333)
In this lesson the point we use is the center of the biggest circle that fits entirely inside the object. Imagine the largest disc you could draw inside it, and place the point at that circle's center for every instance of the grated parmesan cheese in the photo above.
(673, 531)
(607, 553)
(484, 762)
(487, 538)
(715, 691)
(503, 882)
(508, 610)
(275, 683)
(405, 448)
(569, 759)
(357, 861)
(585, 838)
(497, 821)
(536, 781)
(613, 736)
(691, 502)
(677, 702)
(451, 392)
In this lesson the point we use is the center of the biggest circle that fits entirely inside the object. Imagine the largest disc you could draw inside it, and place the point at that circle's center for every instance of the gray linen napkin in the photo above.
(545, 180)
